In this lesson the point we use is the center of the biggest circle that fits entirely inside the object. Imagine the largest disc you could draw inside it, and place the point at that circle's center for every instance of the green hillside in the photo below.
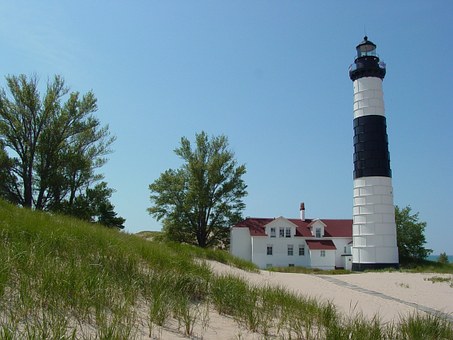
(61, 279)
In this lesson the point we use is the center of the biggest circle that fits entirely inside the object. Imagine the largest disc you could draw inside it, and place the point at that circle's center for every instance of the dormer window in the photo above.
(288, 232)
(272, 232)
(318, 232)
(317, 228)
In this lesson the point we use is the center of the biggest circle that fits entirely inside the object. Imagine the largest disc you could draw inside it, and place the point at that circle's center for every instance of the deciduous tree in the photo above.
(199, 201)
(54, 142)
(410, 235)
(94, 206)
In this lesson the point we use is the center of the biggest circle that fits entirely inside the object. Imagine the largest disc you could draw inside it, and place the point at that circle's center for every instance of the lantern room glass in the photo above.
(366, 48)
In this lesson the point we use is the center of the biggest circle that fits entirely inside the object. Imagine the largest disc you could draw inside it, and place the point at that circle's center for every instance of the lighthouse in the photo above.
(374, 229)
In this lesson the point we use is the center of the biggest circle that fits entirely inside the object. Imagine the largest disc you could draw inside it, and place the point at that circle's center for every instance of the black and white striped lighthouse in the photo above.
(374, 228)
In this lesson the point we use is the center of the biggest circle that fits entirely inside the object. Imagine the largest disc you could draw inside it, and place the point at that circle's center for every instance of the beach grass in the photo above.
(426, 266)
(307, 270)
(61, 278)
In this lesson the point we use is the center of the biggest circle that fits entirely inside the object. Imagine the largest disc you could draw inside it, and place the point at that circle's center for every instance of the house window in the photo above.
(301, 250)
(318, 232)
(282, 232)
(290, 250)
(269, 249)
(291, 265)
(288, 232)
(272, 232)
(345, 249)
(323, 253)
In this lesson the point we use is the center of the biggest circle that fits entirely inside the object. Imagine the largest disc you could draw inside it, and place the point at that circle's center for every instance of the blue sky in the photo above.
(270, 75)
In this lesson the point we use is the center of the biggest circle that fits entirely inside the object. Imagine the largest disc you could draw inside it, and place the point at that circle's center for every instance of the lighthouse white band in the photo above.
(374, 229)
(368, 97)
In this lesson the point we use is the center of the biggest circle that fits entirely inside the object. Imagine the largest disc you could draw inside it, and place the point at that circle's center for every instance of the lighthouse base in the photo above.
(360, 267)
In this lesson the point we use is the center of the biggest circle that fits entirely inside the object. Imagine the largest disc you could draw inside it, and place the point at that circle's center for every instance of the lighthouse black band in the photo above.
(366, 67)
(371, 156)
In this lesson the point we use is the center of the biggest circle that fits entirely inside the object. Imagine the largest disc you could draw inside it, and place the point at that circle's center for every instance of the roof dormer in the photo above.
(317, 228)
(280, 227)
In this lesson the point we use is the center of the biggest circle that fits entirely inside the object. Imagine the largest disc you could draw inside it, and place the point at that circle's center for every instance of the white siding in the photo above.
(279, 257)
(340, 243)
(327, 262)
(254, 248)
(368, 97)
(240, 243)
(374, 228)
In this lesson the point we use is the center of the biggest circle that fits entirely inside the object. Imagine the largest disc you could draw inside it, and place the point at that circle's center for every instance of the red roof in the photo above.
(320, 244)
(334, 228)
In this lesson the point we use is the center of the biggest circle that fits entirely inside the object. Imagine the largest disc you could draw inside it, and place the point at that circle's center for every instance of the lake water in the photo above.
(436, 257)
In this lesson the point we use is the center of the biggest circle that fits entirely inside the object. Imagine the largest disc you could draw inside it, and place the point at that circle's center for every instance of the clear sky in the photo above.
(270, 75)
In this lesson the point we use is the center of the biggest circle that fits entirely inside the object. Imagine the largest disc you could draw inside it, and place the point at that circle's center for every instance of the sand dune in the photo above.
(388, 295)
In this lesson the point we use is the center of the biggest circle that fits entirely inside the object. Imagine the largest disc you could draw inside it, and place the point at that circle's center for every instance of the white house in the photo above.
(283, 242)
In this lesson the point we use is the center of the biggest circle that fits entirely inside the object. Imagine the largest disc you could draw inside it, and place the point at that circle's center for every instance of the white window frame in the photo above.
(323, 253)
(272, 232)
(288, 232)
(282, 232)
(271, 248)
(290, 250)
(318, 232)
(301, 250)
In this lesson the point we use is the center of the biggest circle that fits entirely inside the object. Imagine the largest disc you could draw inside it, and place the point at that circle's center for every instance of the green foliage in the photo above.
(425, 266)
(306, 270)
(410, 235)
(50, 144)
(7, 179)
(425, 327)
(443, 258)
(95, 206)
(200, 201)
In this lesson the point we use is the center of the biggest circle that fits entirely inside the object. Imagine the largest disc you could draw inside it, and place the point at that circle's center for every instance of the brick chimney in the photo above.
(302, 211)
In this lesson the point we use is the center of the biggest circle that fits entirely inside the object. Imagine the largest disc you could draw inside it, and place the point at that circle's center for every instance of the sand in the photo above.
(390, 296)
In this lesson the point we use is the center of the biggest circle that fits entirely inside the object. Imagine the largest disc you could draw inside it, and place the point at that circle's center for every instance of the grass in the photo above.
(426, 266)
(307, 270)
(436, 279)
(64, 279)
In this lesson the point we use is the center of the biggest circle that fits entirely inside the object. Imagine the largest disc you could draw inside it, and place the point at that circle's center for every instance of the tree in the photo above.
(410, 235)
(54, 144)
(200, 201)
(95, 206)
(443, 258)
(7, 181)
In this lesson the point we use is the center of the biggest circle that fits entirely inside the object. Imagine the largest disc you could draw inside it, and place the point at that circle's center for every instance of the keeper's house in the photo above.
(282, 242)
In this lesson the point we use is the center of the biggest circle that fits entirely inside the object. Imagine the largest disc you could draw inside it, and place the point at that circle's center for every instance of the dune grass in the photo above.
(307, 270)
(65, 279)
(426, 266)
